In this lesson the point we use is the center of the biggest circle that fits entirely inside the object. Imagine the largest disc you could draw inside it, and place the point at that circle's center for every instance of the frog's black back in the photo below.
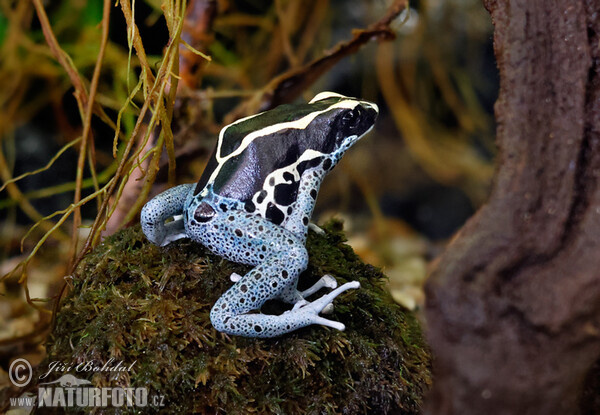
(243, 175)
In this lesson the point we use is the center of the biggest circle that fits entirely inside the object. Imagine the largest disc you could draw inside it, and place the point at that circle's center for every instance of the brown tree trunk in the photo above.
(513, 306)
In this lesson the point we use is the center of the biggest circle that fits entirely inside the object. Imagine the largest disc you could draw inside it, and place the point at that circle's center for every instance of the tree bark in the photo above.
(513, 305)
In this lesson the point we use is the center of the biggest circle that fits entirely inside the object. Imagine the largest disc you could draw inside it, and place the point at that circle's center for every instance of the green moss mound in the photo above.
(136, 302)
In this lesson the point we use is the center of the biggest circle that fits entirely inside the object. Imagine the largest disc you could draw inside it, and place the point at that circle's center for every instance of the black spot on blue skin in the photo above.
(313, 194)
(239, 232)
(286, 194)
(249, 206)
(327, 164)
(274, 215)
(290, 210)
(284, 274)
(231, 219)
(258, 328)
(305, 221)
(204, 213)
(223, 207)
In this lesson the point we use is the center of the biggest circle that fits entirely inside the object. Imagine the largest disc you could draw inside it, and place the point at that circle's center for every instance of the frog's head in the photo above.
(342, 121)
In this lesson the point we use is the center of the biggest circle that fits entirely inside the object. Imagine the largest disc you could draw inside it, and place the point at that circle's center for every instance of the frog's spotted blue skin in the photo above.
(253, 204)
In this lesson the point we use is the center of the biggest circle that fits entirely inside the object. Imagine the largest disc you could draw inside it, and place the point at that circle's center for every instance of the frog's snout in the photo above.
(373, 107)
(370, 111)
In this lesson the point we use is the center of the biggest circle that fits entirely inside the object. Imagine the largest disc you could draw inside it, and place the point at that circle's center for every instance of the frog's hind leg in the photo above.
(298, 223)
(279, 257)
(292, 295)
(167, 205)
(229, 313)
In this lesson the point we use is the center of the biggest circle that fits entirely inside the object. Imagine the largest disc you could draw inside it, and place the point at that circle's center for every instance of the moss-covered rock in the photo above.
(135, 302)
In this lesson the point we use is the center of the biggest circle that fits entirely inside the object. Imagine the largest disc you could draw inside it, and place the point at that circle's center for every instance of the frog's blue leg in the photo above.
(279, 257)
(168, 204)
(298, 223)
(292, 295)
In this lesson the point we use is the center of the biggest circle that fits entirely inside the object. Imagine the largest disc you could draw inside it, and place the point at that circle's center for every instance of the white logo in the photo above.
(20, 372)
(70, 391)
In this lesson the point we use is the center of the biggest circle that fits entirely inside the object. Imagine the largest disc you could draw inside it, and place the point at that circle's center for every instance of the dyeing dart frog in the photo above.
(253, 203)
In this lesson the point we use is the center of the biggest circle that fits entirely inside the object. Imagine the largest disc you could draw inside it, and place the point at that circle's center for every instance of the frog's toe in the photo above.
(172, 238)
(320, 304)
(325, 281)
(315, 228)
(329, 281)
(173, 231)
(235, 277)
(329, 323)
(300, 304)
(328, 309)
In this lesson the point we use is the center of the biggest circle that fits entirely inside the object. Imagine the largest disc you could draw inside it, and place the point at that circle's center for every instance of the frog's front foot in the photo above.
(174, 230)
(158, 211)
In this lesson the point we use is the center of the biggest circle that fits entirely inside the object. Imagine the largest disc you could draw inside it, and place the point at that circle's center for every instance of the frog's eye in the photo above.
(351, 118)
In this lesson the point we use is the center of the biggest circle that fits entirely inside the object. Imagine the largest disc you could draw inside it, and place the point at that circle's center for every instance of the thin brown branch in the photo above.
(87, 122)
(63, 58)
(155, 96)
(134, 34)
(284, 23)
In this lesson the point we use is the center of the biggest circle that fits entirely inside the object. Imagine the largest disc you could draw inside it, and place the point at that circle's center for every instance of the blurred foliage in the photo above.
(99, 101)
